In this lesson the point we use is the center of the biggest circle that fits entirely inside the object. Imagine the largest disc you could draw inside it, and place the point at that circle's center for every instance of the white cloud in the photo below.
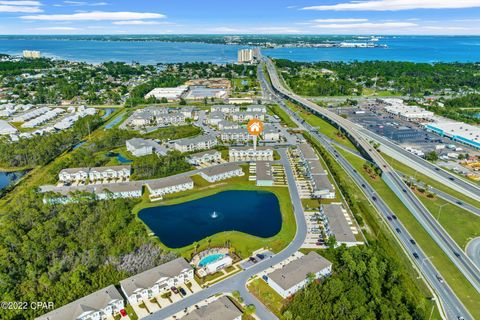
(80, 3)
(21, 3)
(368, 25)
(339, 20)
(95, 16)
(225, 30)
(135, 22)
(395, 5)
(20, 6)
(276, 30)
(57, 29)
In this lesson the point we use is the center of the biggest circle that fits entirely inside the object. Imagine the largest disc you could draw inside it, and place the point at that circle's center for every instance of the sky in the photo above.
(419, 17)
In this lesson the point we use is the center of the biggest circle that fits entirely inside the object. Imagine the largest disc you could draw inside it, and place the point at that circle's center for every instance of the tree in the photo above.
(237, 296)
(431, 156)
(250, 309)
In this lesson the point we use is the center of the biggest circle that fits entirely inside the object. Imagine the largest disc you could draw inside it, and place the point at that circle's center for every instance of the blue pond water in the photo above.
(253, 212)
(7, 178)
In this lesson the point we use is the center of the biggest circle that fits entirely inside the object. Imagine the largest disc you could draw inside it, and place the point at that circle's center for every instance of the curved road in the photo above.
(473, 250)
(239, 280)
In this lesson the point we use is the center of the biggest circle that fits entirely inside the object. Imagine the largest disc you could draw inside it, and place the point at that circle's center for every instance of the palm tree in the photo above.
(195, 245)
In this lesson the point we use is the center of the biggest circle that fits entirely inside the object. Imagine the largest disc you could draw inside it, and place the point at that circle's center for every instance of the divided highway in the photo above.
(453, 307)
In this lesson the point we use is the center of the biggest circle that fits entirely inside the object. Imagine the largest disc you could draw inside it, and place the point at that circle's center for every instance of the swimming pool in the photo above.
(211, 258)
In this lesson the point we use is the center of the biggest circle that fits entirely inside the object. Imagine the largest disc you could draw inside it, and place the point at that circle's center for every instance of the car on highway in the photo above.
(389, 218)
(451, 178)
(398, 230)
(413, 242)
(374, 198)
(456, 254)
(394, 217)
(459, 203)
(439, 279)
(437, 169)
(415, 255)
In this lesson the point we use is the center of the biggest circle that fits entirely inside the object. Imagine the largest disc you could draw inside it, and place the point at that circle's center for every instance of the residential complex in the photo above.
(221, 172)
(205, 157)
(337, 222)
(94, 174)
(102, 304)
(195, 144)
(220, 309)
(264, 174)
(245, 56)
(294, 275)
(153, 282)
(142, 147)
(250, 154)
(160, 187)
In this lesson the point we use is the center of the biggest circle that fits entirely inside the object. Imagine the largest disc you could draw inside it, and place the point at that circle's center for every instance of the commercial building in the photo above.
(250, 154)
(263, 172)
(201, 92)
(158, 280)
(236, 135)
(171, 94)
(141, 147)
(160, 187)
(102, 304)
(245, 100)
(293, 276)
(457, 131)
(6, 128)
(406, 112)
(204, 157)
(337, 223)
(220, 309)
(245, 56)
(195, 144)
(221, 172)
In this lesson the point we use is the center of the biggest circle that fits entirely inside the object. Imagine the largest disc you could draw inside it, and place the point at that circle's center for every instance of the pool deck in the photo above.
(199, 256)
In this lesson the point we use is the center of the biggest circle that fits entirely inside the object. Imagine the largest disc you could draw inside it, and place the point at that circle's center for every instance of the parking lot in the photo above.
(256, 257)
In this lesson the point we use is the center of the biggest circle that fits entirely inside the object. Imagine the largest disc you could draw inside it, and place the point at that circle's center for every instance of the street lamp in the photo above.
(440, 209)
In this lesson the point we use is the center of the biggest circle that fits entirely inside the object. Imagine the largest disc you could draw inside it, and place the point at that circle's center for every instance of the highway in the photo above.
(423, 165)
(239, 280)
(452, 305)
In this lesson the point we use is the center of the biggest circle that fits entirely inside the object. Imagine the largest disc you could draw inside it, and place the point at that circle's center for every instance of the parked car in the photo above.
(123, 313)
(174, 289)
(183, 292)
(260, 256)
(253, 259)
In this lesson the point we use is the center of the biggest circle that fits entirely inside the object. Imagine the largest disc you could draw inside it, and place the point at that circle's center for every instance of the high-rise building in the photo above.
(31, 54)
(245, 56)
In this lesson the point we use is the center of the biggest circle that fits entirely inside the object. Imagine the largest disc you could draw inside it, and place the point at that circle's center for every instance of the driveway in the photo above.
(141, 312)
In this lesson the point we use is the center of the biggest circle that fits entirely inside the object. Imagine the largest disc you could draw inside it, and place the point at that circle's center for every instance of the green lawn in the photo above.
(322, 125)
(283, 116)
(242, 243)
(269, 297)
(451, 274)
(429, 181)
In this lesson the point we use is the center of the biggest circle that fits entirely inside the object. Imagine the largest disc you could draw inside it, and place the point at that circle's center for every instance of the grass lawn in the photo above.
(242, 243)
(283, 116)
(450, 273)
(322, 125)
(269, 297)
(429, 181)
(460, 224)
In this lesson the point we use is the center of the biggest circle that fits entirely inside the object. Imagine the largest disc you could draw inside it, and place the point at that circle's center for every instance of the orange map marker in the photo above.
(255, 127)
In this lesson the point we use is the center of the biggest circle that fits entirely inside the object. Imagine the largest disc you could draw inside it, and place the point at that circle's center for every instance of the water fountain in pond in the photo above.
(214, 215)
